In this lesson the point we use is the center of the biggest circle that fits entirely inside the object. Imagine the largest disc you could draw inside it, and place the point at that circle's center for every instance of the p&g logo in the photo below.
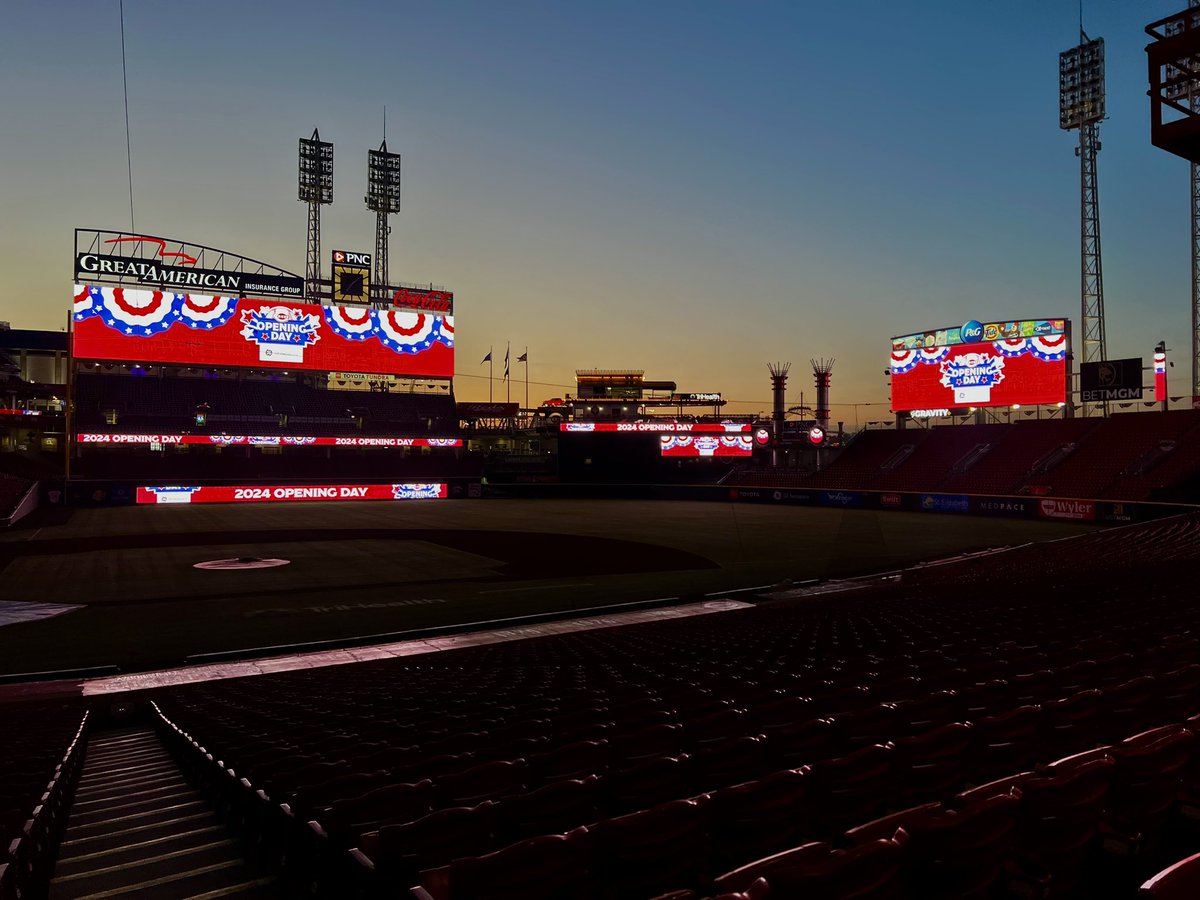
(971, 332)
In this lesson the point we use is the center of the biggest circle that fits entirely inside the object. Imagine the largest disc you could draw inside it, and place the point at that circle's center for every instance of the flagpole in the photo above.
(527, 376)
(489, 374)
(507, 379)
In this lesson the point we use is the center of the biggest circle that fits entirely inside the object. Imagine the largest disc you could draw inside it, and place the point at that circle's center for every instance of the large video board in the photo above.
(113, 323)
(1027, 366)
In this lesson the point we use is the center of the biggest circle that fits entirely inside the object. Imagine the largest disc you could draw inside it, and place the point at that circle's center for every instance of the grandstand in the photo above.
(885, 737)
(1133, 457)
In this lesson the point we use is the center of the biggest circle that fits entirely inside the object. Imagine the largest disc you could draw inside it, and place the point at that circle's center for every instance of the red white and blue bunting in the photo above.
(145, 313)
(354, 323)
(136, 313)
(205, 312)
(406, 332)
(1049, 348)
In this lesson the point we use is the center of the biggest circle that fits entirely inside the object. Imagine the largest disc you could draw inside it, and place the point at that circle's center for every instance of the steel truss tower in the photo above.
(1091, 288)
(316, 189)
(1081, 105)
(383, 197)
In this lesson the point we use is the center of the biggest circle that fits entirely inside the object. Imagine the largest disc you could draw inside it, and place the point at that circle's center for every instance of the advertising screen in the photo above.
(662, 427)
(112, 323)
(1111, 379)
(263, 440)
(684, 445)
(1021, 370)
(291, 493)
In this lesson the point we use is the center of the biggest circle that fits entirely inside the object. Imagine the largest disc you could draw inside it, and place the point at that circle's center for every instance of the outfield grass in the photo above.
(365, 568)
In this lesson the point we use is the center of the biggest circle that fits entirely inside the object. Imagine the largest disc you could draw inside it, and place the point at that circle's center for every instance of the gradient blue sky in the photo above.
(694, 189)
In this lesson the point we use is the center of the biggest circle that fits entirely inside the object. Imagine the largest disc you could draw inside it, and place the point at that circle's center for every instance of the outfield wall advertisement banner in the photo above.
(293, 493)
(112, 323)
(1026, 370)
(685, 445)
(263, 440)
(662, 427)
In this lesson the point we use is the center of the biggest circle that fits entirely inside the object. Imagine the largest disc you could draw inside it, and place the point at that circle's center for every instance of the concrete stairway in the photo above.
(136, 829)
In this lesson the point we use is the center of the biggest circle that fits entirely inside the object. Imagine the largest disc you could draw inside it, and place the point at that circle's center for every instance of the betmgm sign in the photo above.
(1111, 379)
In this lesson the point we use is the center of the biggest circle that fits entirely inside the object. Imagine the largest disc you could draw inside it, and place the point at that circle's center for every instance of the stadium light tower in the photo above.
(1081, 106)
(316, 189)
(383, 197)
(1174, 63)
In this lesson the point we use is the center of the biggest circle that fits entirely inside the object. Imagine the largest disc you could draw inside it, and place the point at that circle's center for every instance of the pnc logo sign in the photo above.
(354, 259)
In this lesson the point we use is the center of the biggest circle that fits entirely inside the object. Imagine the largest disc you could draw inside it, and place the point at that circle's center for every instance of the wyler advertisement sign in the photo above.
(1022, 370)
(1054, 508)
(219, 330)
(1111, 379)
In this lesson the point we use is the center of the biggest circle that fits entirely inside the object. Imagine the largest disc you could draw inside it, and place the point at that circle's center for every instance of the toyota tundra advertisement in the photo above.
(1018, 369)
(112, 323)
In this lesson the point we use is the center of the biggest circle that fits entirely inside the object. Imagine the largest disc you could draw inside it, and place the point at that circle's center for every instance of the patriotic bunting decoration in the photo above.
(903, 361)
(205, 312)
(147, 313)
(406, 332)
(1012, 348)
(354, 323)
(1048, 348)
(137, 313)
(445, 330)
(87, 302)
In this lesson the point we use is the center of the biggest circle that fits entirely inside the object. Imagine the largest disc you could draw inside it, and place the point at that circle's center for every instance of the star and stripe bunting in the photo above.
(138, 313)
(1047, 348)
(406, 332)
(354, 323)
(205, 312)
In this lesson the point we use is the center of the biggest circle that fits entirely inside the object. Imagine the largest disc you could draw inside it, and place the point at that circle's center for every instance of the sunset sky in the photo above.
(690, 188)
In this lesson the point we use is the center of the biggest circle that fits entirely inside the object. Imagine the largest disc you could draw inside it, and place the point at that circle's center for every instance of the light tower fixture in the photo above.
(383, 198)
(316, 189)
(1081, 106)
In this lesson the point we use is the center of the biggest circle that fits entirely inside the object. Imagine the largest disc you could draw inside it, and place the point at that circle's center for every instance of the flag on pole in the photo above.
(506, 365)
(524, 357)
(487, 358)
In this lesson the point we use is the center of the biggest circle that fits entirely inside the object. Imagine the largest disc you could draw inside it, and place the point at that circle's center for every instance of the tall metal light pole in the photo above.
(316, 189)
(383, 197)
(1081, 106)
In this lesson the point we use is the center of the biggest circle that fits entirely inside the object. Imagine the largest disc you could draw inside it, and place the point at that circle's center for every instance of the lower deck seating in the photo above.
(744, 734)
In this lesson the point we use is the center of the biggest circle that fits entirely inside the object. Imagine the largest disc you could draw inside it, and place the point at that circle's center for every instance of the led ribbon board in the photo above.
(264, 440)
(292, 493)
